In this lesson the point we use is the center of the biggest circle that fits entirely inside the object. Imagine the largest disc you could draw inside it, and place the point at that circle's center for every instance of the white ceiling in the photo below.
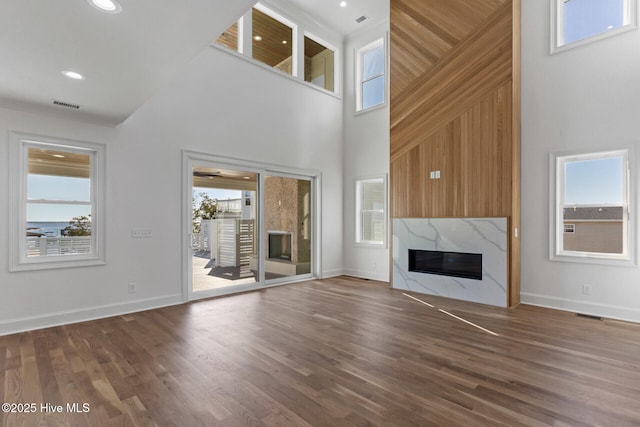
(125, 57)
(343, 19)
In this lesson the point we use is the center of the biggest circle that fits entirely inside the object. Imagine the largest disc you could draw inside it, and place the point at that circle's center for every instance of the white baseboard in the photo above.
(73, 316)
(371, 275)
(584, 307)
(332, 273)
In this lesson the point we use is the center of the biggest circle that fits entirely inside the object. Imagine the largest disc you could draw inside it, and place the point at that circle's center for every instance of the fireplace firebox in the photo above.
(456, 264)
(280, 245)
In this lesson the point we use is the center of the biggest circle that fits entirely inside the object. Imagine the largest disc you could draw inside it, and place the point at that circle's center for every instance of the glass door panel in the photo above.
(224, 235)
(288, 228)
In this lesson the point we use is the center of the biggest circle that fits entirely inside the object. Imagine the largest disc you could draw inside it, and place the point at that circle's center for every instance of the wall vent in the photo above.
(66, 104)
(362, 18)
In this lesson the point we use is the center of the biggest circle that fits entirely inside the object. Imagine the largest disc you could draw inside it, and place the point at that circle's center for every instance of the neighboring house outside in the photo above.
(593, 229)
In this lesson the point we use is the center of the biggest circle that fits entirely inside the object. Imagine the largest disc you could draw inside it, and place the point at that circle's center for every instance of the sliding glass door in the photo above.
(288, 227)
(224, 229)
(245, 227)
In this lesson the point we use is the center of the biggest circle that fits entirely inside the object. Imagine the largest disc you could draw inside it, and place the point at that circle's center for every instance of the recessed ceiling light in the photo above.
(246, 177)
(284, 42)
(73, 75)
(343, 4)
(257, 38)
(109, 6)
(59, 156)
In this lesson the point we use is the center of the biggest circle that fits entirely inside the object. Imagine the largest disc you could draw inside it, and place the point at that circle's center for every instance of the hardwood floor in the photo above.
(338, 352)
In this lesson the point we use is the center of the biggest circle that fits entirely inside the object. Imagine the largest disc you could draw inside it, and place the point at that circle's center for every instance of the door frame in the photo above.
(191, 158)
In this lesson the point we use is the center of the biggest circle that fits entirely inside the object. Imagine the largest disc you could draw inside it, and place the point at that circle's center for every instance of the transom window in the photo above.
(591, 214)
(370, 65)
(57, 203)
(272, 39)
(577, 22)
(319, 63)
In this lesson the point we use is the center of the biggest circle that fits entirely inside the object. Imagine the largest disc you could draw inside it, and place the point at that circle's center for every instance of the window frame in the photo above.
(557, 162)
(359, 241)
(359, 68)
(18, 170)
(294, 37)
(300, 30)
(334, 51)
(557, 44)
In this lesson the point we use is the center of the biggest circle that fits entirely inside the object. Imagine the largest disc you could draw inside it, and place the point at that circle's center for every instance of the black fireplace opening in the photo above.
(455, 264)
(280, 245)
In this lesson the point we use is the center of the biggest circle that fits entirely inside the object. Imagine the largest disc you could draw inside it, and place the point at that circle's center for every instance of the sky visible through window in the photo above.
(54, 188)
(586, 18)
(594, 182)
(373, 77)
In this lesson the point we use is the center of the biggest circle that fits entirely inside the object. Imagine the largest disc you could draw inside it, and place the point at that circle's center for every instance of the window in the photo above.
(370, 65)
(57, 213)
(272, 40)
(581, 21)
(267, 37)
(318, 64)
(371, 210)
(591, 213)
(231, 37)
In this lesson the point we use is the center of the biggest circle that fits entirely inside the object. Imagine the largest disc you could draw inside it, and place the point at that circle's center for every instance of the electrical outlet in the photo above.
(586, 289)
(132, 288)
(141, 233)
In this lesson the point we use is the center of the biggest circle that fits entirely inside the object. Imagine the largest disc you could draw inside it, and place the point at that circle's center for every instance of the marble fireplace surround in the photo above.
(487, 236)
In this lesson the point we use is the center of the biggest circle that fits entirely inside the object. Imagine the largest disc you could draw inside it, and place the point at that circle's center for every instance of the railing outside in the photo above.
(50, 246)
(200, 241)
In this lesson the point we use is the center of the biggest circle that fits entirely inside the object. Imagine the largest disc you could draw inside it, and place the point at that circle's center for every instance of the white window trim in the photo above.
(17, 196)
(336, 61)
(557, 30)
(294, 35)
(244, 50)
(368, 243)
(358, 74)
(556, 220)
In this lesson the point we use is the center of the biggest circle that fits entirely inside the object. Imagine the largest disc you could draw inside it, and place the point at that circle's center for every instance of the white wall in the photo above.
(366, 154)
(220, 104)
(587, 98)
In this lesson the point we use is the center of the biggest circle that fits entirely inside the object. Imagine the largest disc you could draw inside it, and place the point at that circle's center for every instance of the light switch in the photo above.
(141, 233)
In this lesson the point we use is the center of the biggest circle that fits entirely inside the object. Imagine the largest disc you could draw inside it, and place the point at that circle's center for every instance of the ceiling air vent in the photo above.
(66, 104)
(362, 18)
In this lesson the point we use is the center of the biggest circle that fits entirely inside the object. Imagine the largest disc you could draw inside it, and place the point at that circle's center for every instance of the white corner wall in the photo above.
(366, 154)
(221, 105)
(587, 98)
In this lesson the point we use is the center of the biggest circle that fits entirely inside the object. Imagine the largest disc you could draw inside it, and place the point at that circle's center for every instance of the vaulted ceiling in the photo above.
(125, 57)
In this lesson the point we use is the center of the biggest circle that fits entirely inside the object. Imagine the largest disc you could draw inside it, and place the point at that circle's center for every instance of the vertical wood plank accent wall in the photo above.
(455, 107)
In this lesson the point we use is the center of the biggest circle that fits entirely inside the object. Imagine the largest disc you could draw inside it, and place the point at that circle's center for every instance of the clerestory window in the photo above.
(576, 22)
(371, 67)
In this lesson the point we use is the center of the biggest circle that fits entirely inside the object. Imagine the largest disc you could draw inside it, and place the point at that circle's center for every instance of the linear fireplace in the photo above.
(486, 237)
(455, 264)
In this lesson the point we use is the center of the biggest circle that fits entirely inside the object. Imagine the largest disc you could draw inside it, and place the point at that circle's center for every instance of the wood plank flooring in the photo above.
(337, 352)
